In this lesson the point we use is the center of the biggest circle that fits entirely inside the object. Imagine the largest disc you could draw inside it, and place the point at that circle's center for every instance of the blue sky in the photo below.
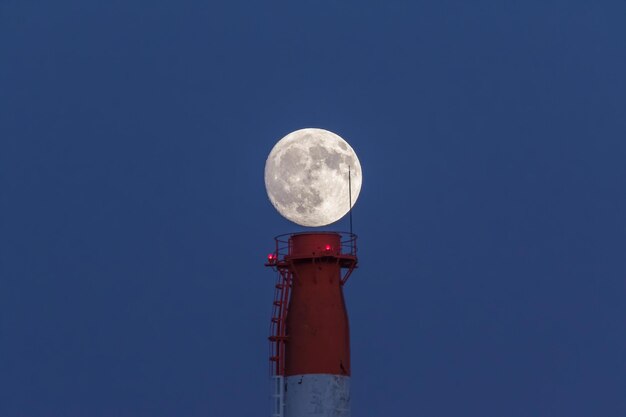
(134, 221)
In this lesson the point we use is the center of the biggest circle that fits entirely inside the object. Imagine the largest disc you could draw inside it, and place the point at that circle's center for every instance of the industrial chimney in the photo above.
(310, 337)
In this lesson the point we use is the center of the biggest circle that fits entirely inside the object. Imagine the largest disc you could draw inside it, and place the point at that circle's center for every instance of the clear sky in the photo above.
(134, 222)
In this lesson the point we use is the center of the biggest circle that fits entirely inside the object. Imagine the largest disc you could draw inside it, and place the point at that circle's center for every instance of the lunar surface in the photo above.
(306, 177)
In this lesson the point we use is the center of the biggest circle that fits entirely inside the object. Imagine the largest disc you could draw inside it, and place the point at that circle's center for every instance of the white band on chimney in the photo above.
(317, 395)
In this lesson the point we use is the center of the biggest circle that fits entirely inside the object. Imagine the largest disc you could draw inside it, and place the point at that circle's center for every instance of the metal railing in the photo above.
(283, 248)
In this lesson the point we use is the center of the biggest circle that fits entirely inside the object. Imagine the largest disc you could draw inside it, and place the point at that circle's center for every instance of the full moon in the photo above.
(306, 177)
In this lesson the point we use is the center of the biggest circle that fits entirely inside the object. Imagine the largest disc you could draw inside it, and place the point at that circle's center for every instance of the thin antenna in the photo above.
(350, 196)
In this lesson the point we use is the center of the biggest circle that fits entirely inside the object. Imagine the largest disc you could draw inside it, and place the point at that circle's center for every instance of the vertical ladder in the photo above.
(278, 337)
(278, 396)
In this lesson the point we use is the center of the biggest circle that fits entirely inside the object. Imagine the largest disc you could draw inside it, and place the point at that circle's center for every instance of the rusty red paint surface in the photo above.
(318, 335)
